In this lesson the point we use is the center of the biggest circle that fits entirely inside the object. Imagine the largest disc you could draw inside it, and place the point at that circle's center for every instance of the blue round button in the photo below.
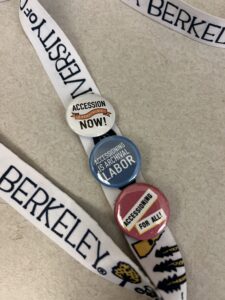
(115, 161)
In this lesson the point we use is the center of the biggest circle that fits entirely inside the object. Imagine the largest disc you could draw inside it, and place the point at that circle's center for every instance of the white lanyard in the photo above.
(160, 258)
(183, 18)
(64, 222)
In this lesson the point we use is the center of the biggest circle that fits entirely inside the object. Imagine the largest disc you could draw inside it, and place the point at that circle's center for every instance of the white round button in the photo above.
(90, 115)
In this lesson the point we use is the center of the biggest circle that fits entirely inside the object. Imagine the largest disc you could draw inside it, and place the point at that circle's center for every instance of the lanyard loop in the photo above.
(159, 257)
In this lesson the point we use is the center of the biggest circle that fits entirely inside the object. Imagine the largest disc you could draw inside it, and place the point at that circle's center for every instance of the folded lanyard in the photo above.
(159, 257)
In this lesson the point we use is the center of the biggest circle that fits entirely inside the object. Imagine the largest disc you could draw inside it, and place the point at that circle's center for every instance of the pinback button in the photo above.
(90, 115)
(142, 211)
(115, 161)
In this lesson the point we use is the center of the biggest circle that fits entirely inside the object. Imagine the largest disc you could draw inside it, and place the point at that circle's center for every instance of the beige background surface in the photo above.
(169, 94)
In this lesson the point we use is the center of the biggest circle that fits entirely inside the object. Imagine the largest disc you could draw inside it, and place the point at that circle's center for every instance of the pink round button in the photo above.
(142, 211)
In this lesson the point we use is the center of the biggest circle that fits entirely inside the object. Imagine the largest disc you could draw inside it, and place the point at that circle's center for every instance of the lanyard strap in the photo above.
(59, 217)
(183, 18)
(160, 258)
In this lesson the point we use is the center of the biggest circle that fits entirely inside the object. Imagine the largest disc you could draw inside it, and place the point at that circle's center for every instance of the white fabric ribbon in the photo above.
(183, 18)
(160, 258)
(65, 223)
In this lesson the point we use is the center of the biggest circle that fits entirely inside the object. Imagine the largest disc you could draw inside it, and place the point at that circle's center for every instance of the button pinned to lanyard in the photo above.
(115, 161)
(142, 211)
(90, 115)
